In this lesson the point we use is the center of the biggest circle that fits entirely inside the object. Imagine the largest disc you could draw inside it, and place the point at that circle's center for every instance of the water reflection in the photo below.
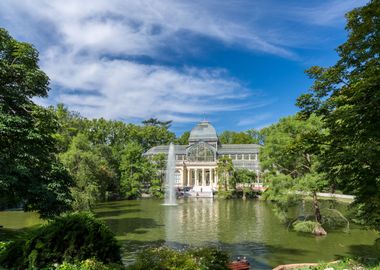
(245, 228)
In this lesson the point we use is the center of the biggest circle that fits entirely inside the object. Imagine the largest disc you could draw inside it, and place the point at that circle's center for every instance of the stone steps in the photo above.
(198, 194)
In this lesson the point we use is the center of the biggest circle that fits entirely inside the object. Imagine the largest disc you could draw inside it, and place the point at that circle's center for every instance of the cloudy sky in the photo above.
(239, 63)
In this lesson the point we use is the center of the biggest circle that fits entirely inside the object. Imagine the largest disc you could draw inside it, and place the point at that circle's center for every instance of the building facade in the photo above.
(196, 162)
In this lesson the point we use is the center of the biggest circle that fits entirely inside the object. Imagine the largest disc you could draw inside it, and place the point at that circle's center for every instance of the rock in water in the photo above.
(318, 230)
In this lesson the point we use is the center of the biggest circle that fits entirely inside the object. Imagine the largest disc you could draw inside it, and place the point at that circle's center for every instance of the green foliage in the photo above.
(290, 149)
(347, 95)
(30, 172)
(89, 264)
(70, 238)
(306, 226)
(231, 137)
(156, 123)
(282, 192)
(224, 170)
(184, 139)
(136, 171)
(93, 173)
(69, 125)
(165, 258)
(210, 258)
(105, 157)
(158, 165)
(226, 194)
(244, 137)
(289, 145)
(242, 176)
(257, 136)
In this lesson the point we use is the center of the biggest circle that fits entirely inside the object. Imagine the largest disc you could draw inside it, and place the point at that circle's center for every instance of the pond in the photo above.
(243, 228)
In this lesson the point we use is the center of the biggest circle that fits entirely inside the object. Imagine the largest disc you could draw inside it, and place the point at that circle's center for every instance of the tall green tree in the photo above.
(136, 171)
(224, 171)
(93, 174)
(290, 149)
(158, 165)
(29, 170)
(257, 136)
(244, 178)
(183, 139)
(347, 97)
(70, 124)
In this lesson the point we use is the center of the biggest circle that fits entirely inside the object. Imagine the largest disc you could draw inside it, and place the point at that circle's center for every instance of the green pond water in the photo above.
(243, 228)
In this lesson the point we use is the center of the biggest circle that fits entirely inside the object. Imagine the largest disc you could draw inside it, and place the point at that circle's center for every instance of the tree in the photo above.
(156, 123)
(290, 150)
(244, 178)
(94, 176)
(136, 171)
(256, 135)
(29, 170)
(184, 139)
(70, 124)
(158, 163)
(231, 137)
(224, 170)
(149, 136)
(347, 97)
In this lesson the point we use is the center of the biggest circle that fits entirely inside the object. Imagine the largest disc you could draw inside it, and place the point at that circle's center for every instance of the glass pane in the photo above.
(200, 152)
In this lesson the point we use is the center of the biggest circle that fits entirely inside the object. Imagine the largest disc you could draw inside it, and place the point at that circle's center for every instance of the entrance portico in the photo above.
(200, 177)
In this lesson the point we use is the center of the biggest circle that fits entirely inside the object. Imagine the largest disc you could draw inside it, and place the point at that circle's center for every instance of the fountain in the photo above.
(170, 195)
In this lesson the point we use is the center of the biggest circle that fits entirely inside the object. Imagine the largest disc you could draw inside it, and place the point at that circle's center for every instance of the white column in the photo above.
(183, 176)
(203, 177)
(196, 177)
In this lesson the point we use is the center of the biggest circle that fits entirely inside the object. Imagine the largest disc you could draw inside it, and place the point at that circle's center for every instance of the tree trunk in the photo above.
(317, 211)
(318, 230)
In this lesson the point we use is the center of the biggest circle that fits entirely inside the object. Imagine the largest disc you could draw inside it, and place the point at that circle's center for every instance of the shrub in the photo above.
(88, 264)
(72, 237)
(304, 226)
(210, 258)
(164, 258)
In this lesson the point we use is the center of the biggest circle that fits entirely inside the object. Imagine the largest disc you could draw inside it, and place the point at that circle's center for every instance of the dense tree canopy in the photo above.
(105, 157)
(233, 137)
(347, 97)
(29, 170)
(290, 156)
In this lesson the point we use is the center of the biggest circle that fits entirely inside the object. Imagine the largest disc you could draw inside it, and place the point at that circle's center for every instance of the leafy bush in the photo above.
(210, 258)
(164, 258)
(304, 226)
(72, 237)
(88, 264)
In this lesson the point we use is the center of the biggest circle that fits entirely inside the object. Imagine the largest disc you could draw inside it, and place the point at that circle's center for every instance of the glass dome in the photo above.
(201, 152)
(204, 131)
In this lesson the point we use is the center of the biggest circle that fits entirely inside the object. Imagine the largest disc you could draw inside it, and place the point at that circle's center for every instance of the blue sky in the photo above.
(239, 64)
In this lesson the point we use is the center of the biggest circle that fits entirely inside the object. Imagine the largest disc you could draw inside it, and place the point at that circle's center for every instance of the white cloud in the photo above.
(329, 13)
(254, 119)
(124, 89)
(139, 27)
(86, 49)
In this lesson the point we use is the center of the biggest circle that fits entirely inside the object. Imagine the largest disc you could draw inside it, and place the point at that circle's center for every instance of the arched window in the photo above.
(200, 152)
